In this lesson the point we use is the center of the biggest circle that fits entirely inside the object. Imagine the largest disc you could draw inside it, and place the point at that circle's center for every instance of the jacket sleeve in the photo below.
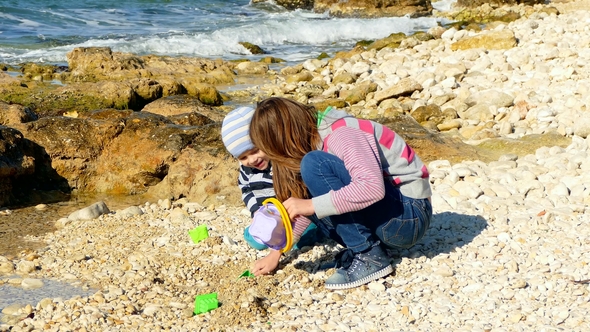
(361, 158)
(299, 225)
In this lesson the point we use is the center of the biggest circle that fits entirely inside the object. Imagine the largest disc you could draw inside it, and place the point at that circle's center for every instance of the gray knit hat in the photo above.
(235, 131)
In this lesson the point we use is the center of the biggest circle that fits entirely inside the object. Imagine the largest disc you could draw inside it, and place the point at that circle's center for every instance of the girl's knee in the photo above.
(311, 159)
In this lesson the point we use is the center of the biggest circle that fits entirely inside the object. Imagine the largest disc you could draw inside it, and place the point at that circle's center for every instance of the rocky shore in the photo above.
(508, 248)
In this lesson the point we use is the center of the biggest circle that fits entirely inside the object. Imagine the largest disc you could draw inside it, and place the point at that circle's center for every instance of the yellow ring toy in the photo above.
(286, 222)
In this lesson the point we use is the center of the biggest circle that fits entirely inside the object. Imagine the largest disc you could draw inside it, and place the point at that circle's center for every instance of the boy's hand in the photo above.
(267, 264)
(299, 207)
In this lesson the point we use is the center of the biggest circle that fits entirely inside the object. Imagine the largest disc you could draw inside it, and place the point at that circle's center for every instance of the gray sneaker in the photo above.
(343, 259)
(365, 267)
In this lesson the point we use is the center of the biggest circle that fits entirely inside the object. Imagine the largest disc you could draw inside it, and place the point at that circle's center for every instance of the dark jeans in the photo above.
(396, 220)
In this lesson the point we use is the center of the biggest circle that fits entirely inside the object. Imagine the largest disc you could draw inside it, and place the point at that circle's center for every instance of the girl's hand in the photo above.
(298, 207)
(267, 264)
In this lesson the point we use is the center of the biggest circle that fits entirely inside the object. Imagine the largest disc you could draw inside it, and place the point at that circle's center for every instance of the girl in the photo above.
(370, 183)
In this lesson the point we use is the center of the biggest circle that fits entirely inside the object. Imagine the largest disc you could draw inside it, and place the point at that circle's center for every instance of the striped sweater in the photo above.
(371, 153)
(256, 187)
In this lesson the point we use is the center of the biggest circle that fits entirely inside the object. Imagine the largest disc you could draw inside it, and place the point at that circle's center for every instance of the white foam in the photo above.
(443, 5)
(275, 34)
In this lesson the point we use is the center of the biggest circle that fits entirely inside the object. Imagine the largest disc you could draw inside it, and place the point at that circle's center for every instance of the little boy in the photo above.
(255, 178)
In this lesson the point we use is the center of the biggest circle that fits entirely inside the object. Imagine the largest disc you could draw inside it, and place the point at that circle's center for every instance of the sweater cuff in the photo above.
(323, 205)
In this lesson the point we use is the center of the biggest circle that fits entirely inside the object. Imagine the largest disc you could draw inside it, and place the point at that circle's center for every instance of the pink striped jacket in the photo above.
(373, 154)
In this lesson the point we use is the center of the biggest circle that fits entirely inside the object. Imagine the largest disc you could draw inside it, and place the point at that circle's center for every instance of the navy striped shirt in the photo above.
(256, 186)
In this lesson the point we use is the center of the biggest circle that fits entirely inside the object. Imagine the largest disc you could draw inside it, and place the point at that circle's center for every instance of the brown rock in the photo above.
(477, 3)
(296, 4)
(429, 145)
(254, 49)
(200, 177)
(371, 8)
(348, 54)
(425, 113)
(190, 119)
(310, 90)
(405, 86)
(343, 77)
(73, 144)
(303, 76)
(182, 104)
(24, 166)
(207, 93)
(323, 104)
(291, 70)
(146, 88)
(100, 63)
(252, 68)
(221, 75)
(392, 41)
(358, 93)
(15, 114)
(171, 87)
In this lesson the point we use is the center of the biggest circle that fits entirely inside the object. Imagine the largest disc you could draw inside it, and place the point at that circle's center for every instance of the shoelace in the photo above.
(357, 261)
(344, 256)
(365, 259)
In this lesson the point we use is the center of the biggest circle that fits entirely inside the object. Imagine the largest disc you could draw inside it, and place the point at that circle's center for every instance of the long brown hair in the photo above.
(285, 130)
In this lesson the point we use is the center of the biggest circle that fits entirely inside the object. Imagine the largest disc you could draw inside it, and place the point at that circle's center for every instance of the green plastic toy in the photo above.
(199, 233)
(205, 303)
(247, 273)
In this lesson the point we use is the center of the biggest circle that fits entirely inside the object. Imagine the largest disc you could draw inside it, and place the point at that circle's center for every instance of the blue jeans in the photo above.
(310, 236)
(396, 220)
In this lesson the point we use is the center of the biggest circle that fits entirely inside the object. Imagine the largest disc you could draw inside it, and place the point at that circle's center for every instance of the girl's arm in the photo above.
(267, 264)
(271, 261)
(361, 158)
(300, 224)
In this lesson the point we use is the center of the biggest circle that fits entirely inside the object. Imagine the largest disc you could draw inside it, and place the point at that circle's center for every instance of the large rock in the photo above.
(360, 8)
(372, 8)
(477, 3)
(24, 167)
(52, 100)
(296, 4)
(200, 177)
(427, 144)
(15, 114)
(99, 78)
(181, 104)
(101, 63)
(119, 152)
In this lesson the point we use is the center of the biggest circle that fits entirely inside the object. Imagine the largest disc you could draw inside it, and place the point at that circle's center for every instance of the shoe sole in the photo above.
(373, 276)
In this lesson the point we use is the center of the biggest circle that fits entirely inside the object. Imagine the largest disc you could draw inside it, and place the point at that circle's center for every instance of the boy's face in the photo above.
(254, 158)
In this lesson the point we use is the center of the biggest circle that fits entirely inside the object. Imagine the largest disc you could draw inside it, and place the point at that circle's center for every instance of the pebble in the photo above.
(30, 283)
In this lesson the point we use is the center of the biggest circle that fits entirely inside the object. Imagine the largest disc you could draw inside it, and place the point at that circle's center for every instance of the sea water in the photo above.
(52, 289)
(44, 31)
